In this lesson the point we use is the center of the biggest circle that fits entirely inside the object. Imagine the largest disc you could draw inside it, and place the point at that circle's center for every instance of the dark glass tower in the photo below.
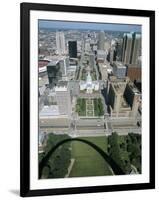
(72, 46)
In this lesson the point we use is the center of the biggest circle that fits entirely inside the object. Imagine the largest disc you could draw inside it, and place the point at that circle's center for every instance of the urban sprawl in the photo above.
(90, 87)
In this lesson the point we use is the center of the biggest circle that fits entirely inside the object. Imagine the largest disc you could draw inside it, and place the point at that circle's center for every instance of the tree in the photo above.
(58, 163)
(117, 154)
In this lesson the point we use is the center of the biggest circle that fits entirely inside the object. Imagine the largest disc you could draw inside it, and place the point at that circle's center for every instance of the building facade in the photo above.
(119, 70)
(131, 48)
(101, 40)
(54, 73)
(63, 98)
(72, 47)
(60, 43)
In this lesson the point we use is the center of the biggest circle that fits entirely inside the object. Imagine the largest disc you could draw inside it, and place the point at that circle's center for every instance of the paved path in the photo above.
(70, 167)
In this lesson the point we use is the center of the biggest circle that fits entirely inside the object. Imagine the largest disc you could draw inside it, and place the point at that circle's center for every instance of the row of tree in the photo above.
(81, 107)
(57, 166)
(98, 107)
(127, 152)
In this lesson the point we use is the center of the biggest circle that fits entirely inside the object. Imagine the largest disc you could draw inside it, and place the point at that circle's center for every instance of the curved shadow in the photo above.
(115, 167)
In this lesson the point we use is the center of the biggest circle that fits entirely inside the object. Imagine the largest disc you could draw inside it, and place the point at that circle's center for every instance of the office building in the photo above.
(72, 46)
(119, 70)
(134, 73)
(119, 49)
(74, 87)
(63, 98)
(116, 91)
(101, 40)
(60, 43)
(87, 47)
(54, 72)
(131, 48)
(136, 48)
(133, 98)
(101, 56)
(63, 66)
(124, 98)
(111, 57)
(92, 62)
(126, 49)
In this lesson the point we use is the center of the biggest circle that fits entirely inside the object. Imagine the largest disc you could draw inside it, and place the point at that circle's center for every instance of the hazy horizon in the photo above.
(88, 26)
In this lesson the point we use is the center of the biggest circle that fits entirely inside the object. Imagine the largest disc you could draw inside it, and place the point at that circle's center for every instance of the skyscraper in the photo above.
(60, 43)
(111, 57)
(72, 46)
(116, 91)
(127, 45)
(131, 48)
(101, 41)
(54, 72)
(63, 98)
(136, 45)
(132, 96)
(92, 60)
(119, 70)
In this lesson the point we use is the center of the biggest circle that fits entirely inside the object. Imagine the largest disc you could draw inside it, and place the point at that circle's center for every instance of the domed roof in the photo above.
(89, 78)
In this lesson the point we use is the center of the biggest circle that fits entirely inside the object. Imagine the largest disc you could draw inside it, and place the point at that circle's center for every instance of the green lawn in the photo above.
(98, 107)
(87, 161)
(81, 107)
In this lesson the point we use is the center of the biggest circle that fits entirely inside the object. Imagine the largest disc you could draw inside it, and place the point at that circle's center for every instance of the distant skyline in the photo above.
(88, 26)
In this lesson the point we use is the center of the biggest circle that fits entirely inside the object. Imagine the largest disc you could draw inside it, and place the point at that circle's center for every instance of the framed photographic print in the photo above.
(87, 99)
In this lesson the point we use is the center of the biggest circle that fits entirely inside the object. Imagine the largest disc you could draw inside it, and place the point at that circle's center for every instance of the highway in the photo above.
(90, 126)
(93, 127)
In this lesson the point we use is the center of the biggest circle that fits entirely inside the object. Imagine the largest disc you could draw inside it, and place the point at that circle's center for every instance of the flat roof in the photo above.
(49, 111)
(119, 87)
(134, 88)
(119, 64)
(53, 62)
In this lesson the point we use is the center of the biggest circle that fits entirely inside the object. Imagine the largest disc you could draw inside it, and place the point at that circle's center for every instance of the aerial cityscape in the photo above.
(90, 99)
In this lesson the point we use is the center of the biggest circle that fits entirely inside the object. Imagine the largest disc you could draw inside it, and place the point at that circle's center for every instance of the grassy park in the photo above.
(124, 150)
(89, 107)
(81, 107)
(87, 161)
(98, 107)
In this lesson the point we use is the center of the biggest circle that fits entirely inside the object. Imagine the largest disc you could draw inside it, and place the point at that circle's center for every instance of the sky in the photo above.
(88, 26)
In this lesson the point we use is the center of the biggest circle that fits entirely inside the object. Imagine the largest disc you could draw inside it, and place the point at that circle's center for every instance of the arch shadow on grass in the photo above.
(114, 166)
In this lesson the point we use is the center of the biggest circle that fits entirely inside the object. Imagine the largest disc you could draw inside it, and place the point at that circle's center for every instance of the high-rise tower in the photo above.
(60, 43)
(136, 47)
(127, 45)
(72, 46)
(131, 48)
(101, 41)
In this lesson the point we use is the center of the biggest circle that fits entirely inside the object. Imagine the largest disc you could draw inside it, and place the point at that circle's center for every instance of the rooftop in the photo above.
(119, 87)
(61, 86)
(49, 111)
(119, 64)
(134, 88)
(53, 62)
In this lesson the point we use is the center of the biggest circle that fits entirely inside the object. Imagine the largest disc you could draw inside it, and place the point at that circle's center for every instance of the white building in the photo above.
(60, 43)
(101, 41)
(89, 85)
(49, 111)
(101, 55)
(63, 98)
